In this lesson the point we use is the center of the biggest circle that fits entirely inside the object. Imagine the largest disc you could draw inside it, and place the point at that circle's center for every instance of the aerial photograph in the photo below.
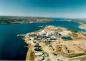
(42, 30)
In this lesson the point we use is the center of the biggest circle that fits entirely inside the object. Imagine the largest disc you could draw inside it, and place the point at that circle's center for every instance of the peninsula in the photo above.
(55, 44)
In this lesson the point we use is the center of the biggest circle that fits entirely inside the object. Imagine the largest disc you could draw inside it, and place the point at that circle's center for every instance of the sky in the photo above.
(44, 8)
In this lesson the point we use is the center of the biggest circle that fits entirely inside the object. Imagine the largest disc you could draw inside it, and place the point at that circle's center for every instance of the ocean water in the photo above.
(13, 47)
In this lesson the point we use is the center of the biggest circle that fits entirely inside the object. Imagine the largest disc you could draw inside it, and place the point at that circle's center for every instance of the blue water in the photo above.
(12, 47)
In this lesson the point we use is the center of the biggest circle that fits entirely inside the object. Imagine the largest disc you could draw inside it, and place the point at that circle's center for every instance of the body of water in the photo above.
(12, 47)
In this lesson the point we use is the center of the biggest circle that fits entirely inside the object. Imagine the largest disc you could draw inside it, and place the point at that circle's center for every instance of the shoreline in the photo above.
(82, 26)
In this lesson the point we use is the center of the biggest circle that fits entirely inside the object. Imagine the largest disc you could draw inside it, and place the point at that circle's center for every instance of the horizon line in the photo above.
(43, 16)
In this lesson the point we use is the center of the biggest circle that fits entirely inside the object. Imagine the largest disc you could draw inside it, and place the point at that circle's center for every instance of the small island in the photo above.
(55, 44)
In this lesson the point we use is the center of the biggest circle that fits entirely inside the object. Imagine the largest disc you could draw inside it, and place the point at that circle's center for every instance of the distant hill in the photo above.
(81, 21)
(22, 20)
(26, 20)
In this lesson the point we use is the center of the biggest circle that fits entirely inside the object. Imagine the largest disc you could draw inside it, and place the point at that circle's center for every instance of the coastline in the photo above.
(82, 26)
(63, 49)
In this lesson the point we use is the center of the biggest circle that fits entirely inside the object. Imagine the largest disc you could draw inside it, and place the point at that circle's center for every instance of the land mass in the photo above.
(55, 44)
(26, 20)
(82, 26)
(22, 20)
(80, 20)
